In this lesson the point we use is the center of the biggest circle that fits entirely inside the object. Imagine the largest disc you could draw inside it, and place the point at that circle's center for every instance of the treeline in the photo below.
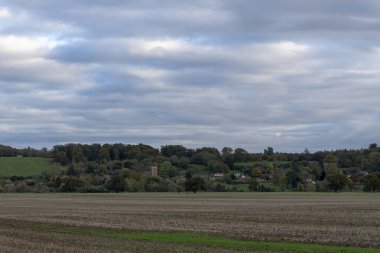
(7, 151)
(365, 159)
(127, 167)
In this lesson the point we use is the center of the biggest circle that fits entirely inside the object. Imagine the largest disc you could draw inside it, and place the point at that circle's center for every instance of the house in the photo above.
(362, 173)
(216, 176)
(219, 175)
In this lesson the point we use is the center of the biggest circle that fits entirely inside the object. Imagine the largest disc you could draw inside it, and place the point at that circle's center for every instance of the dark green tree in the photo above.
(105, 152)
(372, 182)
(116, 184)
(166, 170)
(372, 147)
(254, 186)
(152, 184)
(170, 150)
(240, 155)
(228, 157)
(195, 184)
(71, 171)
(268, 154)
(71, 184)
(337, 182)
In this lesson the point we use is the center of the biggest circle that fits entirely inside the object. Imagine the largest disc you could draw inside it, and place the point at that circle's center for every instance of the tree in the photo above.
(372, 182)
(337, 182)
(71, 171)
(115, 151)
(374, 161)
(195, 184)
(330, 158)
(292, 178)
(153, 184)
(256, 172)
(71, 184)
(306, 154)
(268, 154)
(170, 150)
(183, 162)
(217, 167)
(188, 175)
(372, 147)
(227, 150)
(116, 184)
(60, 157)
(220, 187)
(105, 152)
(240, 155)
(345, 160)
(202, 157)
(254, 185)
(167, 170)
(228, 157)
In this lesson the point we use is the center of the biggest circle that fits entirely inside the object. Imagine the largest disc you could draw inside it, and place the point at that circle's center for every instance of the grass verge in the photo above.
(213, 241)
(197, 239)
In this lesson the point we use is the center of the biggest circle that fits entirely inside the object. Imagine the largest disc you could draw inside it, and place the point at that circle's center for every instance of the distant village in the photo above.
(138, 168)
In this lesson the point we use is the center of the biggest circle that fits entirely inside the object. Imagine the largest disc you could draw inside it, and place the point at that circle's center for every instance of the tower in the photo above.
(154, 171)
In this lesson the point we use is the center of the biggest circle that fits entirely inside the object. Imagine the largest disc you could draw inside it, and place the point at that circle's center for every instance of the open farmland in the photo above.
(205, 222)
(23, 166)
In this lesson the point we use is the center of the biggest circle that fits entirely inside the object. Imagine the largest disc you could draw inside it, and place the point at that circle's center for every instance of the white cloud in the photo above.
(26, 46)
(4, 13)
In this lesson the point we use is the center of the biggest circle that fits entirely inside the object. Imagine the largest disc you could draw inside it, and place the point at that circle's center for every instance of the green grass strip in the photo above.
(213, 241)
(197, 239)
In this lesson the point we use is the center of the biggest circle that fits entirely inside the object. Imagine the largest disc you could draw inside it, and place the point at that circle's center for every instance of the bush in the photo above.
(173, 187)
(71, 184)
(195, 184)
(254, 186)
(16, 178)
(322, 186)
(94, 189)
(116, 184)
(21, 187)
(153, 184)
(9, 187)
(264, 188)
(117, 165)
(310, 187)
(220, 188)
(135, 186)
(39, 187)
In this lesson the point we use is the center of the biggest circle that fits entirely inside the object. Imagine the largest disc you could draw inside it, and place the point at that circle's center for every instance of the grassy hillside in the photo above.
(23, 166)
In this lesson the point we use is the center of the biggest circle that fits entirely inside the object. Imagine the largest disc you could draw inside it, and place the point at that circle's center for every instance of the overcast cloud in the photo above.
(291, 74)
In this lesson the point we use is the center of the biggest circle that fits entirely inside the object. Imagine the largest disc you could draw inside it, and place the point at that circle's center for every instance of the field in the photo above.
(204, 222)
(23, 166)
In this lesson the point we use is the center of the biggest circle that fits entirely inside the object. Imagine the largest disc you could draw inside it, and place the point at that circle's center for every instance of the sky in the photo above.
(290, 74)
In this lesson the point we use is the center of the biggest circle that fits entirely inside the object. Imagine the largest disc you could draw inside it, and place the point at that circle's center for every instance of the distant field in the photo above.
(23, 166)
(186, 222)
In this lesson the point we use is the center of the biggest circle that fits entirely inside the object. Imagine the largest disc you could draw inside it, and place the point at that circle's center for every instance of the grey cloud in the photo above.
(289, 74)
